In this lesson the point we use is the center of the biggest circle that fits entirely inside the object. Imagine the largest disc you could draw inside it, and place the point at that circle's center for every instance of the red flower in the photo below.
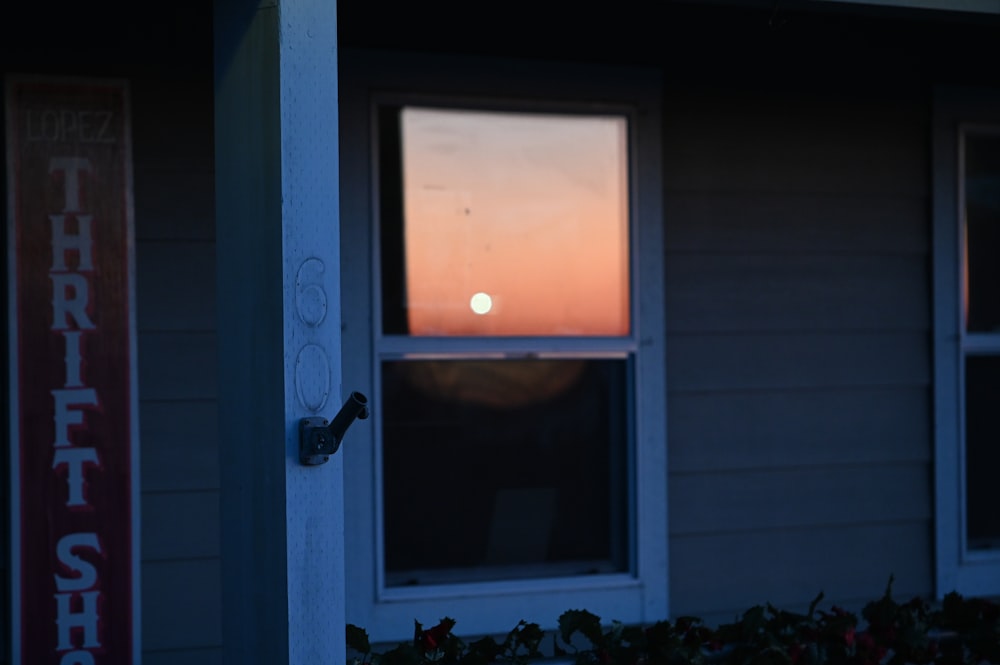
(849, 636)
(432, 638)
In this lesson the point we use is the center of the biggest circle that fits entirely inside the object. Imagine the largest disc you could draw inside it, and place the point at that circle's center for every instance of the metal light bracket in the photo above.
(319, 438)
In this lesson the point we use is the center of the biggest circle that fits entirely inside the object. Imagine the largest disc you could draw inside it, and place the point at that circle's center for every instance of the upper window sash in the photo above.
(978, 197)
(615, 124)
(504, 222)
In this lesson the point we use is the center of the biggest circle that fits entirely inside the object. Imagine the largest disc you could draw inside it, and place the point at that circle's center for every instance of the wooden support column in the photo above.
(277, 230)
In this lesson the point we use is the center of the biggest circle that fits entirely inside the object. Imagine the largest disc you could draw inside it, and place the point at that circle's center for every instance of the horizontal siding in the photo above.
(790, 142)
(718, 576)
(179, 445)
(175, 282)
(798, 358)
(762, 361)
(749, 292)
(182, 604)
(177, 366)
(798, 497)
(710, 431)
(162, 202)
(172, 273)
(793, 222)
(195, 518)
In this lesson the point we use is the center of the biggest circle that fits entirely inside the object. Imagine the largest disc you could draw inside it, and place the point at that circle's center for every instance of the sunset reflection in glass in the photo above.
(514, 223)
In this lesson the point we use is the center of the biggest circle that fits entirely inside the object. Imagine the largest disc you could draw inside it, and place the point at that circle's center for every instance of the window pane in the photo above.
(508, 223)
(982, 222)
(982, 451)
(500, 469)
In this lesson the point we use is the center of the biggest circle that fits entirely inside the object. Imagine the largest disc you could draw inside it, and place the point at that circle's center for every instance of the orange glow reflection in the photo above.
(515, 223)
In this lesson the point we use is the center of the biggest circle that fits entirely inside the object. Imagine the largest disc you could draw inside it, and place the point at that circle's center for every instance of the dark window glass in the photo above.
(982, 451)
(494, 469)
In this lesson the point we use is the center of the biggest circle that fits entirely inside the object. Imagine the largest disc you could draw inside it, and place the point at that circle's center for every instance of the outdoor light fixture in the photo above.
(318, 438)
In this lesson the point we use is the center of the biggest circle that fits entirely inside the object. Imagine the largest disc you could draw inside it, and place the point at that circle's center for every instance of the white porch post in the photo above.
(277, 231)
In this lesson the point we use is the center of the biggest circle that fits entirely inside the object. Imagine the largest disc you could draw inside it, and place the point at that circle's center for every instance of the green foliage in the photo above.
(958, 631)
(440, 645)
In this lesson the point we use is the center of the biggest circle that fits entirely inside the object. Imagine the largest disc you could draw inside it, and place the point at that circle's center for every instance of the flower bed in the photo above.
(956, 631)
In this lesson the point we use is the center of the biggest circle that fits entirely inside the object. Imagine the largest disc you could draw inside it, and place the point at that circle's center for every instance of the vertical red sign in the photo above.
(74, 443)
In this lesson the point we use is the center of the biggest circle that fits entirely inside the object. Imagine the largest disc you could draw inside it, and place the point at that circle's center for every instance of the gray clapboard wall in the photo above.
(175, 289)
(798, 375)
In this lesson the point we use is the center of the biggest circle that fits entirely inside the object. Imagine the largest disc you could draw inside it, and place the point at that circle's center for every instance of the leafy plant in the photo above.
(439, 644)
(958, 631)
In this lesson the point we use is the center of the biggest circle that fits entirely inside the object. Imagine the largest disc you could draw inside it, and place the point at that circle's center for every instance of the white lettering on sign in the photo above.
(86, 618)
(73, 359)
(70, 167)
(74, 458)
(69, 125)
(63, 241)
(70, 296)
(78, 583)
(64, 416)
(87, 573)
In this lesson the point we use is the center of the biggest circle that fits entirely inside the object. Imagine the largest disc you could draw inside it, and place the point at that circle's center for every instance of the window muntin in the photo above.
(520, 445)
(979, 174)
(508, 223)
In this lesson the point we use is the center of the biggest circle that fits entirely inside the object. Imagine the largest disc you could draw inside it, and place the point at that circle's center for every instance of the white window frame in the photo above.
(970, 573)
(639, 596)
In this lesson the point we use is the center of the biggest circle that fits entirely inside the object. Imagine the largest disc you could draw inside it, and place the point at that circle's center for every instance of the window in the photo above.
(967, 342)
(502, 307)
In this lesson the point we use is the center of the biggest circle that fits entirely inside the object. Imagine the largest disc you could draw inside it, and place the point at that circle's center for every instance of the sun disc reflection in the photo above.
(481, 303)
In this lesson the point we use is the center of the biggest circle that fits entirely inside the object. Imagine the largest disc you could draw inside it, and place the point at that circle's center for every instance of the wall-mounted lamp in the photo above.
(318, 439)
